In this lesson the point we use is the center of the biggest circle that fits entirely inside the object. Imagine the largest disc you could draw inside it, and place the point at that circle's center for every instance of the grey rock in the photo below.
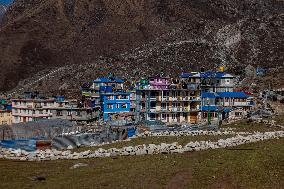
(78, 165)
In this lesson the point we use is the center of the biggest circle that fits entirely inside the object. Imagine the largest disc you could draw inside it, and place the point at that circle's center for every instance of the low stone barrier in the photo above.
(191, 133)
(223, 131)
(143, 149)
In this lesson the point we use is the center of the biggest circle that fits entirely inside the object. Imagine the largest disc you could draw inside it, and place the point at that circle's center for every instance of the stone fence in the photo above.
(143, 149)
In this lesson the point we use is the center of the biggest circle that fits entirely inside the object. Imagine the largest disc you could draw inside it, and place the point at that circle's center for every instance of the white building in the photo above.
(29, 109)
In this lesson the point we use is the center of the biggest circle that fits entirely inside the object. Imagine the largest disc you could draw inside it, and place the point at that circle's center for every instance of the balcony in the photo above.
(152, 98)
(186, 109)
(192, 86)
(38, 106)
(175, 109)
(91, 94)
(143, 99)
(241, 104)
(165, 98)
(32, 115)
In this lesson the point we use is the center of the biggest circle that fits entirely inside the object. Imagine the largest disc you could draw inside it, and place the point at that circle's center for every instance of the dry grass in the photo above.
(258, 165)
(246, 126)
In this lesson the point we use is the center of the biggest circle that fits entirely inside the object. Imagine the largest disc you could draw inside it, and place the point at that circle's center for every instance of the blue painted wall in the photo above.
(114, 105)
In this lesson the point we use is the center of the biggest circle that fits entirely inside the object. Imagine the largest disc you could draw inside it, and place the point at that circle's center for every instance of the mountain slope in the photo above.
(138, 36)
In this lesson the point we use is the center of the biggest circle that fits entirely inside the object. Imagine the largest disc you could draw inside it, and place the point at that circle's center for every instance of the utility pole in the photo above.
(209, 113)
(3, 134)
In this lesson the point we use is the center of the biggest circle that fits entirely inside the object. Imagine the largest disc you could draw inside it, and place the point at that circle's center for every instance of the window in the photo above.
(110, 97)
(78, 113)
(109, 106)
(238, 114)
(69, 113)
(152, 117)
(153, 105)
(163, 106)
(117, 106)
(174, 116)
(59, 113)
(124, 97)
(45, 104)
(164, 116)
(40, 112)
(124, 106)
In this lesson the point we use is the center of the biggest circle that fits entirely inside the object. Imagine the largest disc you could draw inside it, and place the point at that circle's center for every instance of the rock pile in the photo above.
(223, 131)
(191, 133)
(144, 149)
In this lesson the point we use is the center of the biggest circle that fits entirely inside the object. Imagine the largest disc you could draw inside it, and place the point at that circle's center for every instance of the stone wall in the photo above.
(143, 149)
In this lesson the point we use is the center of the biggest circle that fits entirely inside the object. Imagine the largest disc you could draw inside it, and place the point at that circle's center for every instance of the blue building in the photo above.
(114, 103)
(209, 101)
(109, 95)
(224, 103)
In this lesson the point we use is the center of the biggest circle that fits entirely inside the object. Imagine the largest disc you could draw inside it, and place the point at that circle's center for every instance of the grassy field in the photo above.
(246, 126)
(258, 165)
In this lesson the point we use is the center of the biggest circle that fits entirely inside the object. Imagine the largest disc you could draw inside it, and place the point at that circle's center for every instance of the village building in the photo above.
(107, 94)
(73, 111)
(219, 100)
(190, 98)
(5, 111)
(33, 107)
(5, 117)
(167, 100)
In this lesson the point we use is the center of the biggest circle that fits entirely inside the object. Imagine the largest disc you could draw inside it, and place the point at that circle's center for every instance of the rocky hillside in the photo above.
(135, 38)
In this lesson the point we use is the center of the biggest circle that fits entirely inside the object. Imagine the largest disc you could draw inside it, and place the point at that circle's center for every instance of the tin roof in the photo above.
(107, 80)
(209, 95)
(232, 95)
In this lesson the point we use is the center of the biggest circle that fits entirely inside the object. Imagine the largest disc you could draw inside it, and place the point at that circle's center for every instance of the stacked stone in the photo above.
(162, 148)
(190, 133)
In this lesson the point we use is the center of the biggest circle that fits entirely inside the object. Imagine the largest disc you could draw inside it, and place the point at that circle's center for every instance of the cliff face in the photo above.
(139, 36)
